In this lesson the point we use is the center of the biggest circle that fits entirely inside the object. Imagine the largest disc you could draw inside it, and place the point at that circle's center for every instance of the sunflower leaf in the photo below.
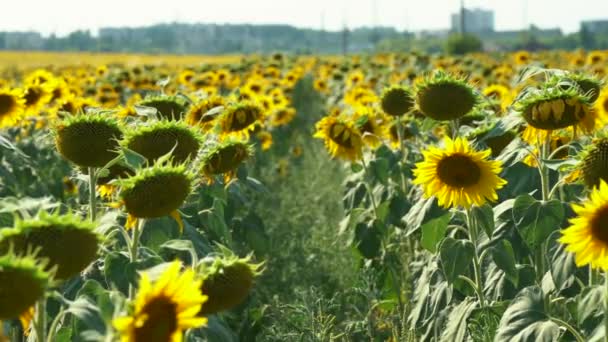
(456, 257)
(536, 220)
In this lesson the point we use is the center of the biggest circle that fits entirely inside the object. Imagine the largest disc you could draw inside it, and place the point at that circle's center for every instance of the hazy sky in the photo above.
(63, 16)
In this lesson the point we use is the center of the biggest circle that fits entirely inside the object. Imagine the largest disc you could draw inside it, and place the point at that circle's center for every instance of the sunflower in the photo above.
(282, 116)
(12, 105)
(265, 138)
(601, 106)
(240, 119)
(522, 57)
(444, 97)
(458, 175)
(587, 236)
(225, 158)
(372, 127)
(164, 309)
(37, 95)
(23, 282)
(499, 93)
(342, 139)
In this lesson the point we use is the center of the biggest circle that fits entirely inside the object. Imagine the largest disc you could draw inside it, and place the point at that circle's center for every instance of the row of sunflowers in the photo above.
(476, 193)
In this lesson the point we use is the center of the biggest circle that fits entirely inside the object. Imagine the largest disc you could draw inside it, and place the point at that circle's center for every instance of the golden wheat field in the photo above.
(284, 197)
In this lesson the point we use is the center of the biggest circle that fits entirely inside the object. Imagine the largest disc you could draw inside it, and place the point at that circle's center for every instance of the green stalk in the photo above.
(92, 193)
(369, 188)
(473, 235)
(402, 149)
(133, 250)
(40, 320)
(545, 150)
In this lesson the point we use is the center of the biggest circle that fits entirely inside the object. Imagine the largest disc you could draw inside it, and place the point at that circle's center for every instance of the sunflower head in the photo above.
(241, 118)
(282, 116)
(159, 138)
(458, 175)
(342, 139)
(594, 162)
(587, 85)
(373, 128)
(88, 140)
(200, 115)
(163, 309)
(225, 157)
(551, 108)
(59, 238)
(168, 107)
(155, 191)
(12, 105)
(397, 100)
(227, 281)
(443, 97)
(587, 236)
(23, 282)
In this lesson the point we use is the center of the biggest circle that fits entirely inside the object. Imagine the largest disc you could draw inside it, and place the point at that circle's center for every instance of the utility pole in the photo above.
(462, 19)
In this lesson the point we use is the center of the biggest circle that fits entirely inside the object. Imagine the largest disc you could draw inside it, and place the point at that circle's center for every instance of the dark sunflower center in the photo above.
(161, 321)
(242, 119)
(32, 96)
(341, 135)
(605, 105)
(599, 224)
(7, 102)
(458, 171)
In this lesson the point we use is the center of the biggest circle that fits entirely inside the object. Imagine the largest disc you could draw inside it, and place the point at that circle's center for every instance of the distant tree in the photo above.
(587, 38)
(459, 44)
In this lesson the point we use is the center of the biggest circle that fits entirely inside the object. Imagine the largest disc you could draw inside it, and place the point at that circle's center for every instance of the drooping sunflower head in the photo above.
(458, 175)
(594, 162)
(168, 107)
(69, 243)
(587, 235)
(155, 191)
(552, 107)
(588, 85)
(88, 140)
(160, 137)
(12, 105)
(342, 139)
(397, 100)
(23, 282)
(227, 281)
(443, 97)
(199, 114)
(165, 308)
(241, 118)
(225, 157)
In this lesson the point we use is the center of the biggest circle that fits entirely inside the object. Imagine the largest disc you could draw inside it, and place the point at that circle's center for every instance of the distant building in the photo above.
(595, 26)
(476, 21)
(22, 41)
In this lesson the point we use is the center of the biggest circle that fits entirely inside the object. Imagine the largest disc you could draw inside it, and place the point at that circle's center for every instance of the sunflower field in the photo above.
(387, 197)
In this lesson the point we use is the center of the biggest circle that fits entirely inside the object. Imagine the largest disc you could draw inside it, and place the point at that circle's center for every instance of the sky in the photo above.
(64, 16)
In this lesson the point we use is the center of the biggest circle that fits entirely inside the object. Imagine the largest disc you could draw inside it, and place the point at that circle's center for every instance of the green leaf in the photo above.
(456, 326)
(590, 304)
(504, 257)
(383, 210)
(380, 169)
(434, 231)
(563, 268)
(456, 257)
(367, 240)
(97, 294)
(356, 167)
(484, 216)
(87, 314)
(536, 220)
(133, 159)
(525, 319)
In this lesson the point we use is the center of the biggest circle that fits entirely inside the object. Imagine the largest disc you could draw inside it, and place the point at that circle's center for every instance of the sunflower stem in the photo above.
(137, 230)
(403, 155)
(369, 188)
(570, 328)
(40, 320)
(54, 325)
(476, 263)
(545, 150)
(92, 193)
